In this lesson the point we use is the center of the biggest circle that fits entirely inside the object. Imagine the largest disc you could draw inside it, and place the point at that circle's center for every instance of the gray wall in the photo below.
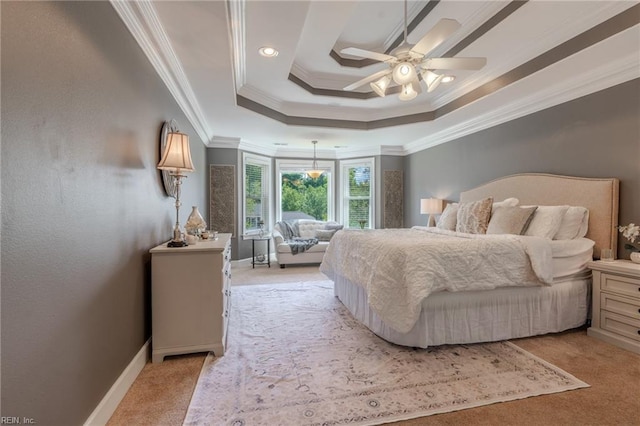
(594, 136)
(82, 203)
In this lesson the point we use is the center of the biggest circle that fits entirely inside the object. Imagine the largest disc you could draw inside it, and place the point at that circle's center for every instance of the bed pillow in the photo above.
(325, 234)
(507, 202)
(546, 221)
(574, 224)
(510, 220)
(449, 217)
(473, 218)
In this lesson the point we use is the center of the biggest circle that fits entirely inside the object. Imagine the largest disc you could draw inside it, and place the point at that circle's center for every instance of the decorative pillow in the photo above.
(546, 221)
(574, 224)
(449, 217)
(325, 234)
(473, 218)
(510, 220)
(508, 202)
(333, 226)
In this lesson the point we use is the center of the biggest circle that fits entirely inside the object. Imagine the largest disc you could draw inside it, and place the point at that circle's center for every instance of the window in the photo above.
(301, 197)
(256, 190)
(357, 201)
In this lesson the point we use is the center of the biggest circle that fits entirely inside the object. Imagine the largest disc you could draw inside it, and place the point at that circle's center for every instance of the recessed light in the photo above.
(280, 144)
(269, 52)
(448, 78)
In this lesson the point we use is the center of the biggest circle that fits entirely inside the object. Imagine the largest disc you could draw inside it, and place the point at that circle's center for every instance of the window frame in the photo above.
(344, 198)
(301, 166)
(253, 159)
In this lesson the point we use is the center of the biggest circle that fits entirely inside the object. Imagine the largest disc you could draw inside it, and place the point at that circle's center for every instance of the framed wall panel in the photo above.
(393, 198)
(222, 198)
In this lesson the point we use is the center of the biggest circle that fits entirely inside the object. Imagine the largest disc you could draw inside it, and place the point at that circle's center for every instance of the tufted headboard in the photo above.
(600, 196)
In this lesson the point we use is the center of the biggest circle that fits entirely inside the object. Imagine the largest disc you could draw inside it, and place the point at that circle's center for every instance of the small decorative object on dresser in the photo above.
(195, 223)
(616, 303)
(631, 232)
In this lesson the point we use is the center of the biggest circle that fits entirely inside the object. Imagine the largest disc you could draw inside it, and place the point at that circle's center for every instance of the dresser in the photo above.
(616, 303)
(190, 297)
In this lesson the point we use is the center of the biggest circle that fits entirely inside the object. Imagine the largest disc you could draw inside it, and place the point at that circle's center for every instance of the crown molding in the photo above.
(596, 79)
(224, 142)
(142, 21)
(571, 28)
(236, 24)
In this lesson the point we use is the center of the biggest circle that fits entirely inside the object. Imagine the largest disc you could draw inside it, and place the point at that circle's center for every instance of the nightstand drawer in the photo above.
(620, 305)
(620, 324)
(621, 285)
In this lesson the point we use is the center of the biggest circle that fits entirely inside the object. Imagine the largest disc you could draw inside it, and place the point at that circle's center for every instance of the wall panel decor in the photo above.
(222, 196)
(393, 199)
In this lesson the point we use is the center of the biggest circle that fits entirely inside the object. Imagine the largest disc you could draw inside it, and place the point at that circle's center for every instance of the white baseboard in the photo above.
(109, 403)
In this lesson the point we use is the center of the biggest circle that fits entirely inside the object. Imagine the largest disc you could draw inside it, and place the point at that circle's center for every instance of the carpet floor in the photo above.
(161, 393)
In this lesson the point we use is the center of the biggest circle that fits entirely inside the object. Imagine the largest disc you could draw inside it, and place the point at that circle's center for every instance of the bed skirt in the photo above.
(479, 316)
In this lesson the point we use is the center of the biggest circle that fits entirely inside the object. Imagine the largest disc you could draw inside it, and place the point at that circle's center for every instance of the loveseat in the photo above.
(307, 229)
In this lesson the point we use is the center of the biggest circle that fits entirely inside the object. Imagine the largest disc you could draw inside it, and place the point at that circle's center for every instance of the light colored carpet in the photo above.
(244, 274)
(296, 356)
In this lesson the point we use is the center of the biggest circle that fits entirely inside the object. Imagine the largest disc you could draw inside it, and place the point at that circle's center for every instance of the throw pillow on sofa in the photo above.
(333, 226)
(325, 234)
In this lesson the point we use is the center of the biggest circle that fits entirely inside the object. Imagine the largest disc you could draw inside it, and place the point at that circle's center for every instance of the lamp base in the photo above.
(177, 244)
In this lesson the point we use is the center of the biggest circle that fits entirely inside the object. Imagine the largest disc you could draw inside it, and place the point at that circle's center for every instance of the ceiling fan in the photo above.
(409, 64)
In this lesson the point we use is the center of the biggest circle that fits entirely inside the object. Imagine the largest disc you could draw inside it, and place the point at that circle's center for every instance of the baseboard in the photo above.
(109, 403)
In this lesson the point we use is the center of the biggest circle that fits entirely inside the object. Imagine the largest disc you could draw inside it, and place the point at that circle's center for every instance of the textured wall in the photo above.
(594, 136)
(82, 203)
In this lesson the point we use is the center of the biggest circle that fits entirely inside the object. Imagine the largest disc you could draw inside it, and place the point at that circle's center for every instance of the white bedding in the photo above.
(399, 268)
(570, 257)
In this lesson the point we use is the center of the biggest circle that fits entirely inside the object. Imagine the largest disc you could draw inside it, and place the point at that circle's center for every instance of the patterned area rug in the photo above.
(296, 356)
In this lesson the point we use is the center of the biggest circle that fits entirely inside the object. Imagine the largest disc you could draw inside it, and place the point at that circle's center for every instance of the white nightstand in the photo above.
(616, 303)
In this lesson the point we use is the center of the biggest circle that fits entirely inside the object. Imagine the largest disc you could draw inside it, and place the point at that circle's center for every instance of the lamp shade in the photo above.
(380, 86)
(430, 206)
(407, 93)
(177, 154)
(432, 80)
(404, 73)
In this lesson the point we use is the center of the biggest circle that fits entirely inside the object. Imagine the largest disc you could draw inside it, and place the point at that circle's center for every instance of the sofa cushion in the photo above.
(325, 234)
(318, 248)
(307, 227)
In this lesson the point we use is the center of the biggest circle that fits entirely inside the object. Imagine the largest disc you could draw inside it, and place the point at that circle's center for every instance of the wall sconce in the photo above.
(431, 206)
(176, 159)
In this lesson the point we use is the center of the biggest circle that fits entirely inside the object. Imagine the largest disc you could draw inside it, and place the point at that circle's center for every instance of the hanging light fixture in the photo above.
(432, 80)
(380, 86)
(407, 93)
(314, 173)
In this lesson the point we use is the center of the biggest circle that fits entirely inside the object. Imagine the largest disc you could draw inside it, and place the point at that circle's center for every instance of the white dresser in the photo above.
(616, 303)
(190, 295)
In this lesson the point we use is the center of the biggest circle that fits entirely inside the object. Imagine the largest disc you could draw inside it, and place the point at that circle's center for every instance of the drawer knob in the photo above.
(638, 331)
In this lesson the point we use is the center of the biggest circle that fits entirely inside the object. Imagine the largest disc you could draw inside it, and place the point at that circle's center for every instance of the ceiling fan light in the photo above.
(380, 86)
(407, 93)
(404, 73)
(448, 78)
(432, 80)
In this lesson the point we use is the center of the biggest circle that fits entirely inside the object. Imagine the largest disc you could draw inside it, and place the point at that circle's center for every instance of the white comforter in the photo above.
(400, 267)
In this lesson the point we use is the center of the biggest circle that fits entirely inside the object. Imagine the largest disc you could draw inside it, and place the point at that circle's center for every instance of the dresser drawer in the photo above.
(620, 324)
(619, 284)
(620, 305)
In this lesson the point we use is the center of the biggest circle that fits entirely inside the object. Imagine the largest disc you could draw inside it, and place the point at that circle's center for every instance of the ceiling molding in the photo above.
(612, 74)
(485, 27)
(236, 13)
(395, 38)
(224, 142)
(141, 20)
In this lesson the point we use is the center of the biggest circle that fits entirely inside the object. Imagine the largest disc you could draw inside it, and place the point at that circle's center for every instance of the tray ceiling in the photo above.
(539, 54)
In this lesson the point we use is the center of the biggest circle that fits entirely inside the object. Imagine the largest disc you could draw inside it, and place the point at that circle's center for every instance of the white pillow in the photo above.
(449, 218)
(546, 221)
(507, 202)
(574, 224)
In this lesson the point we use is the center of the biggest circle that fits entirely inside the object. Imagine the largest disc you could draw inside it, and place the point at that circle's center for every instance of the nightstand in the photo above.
(616, 303)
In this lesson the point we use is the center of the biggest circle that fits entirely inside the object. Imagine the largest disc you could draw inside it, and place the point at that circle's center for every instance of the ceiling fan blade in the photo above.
(367, 54)
(368, 79)
(454, 63)
(436, 35)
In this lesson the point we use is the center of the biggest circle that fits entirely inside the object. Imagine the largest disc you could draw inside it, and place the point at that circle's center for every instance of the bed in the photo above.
(551, 295)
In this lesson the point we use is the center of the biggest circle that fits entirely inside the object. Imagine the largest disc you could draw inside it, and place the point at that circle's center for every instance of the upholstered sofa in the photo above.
(307, 228)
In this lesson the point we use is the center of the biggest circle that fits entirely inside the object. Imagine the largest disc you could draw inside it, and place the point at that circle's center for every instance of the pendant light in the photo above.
(314, 173)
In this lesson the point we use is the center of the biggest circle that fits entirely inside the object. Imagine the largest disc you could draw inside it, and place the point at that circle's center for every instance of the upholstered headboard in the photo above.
(600, 196)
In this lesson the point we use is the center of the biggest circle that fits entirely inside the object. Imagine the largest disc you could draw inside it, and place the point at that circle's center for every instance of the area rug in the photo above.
(296, 356)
